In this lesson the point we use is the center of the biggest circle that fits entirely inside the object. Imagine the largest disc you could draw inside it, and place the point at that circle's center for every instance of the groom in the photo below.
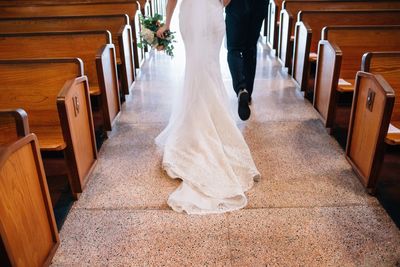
(243, 25)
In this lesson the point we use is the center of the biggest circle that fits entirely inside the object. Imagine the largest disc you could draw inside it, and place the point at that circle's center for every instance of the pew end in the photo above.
(272, 25)
(24, 194)
(75, 113)
(369, 122)
(13, 125)
(328, 71)
(108, 80)
(285, 43)
(300, 65)
(125, 41)
(139, 56)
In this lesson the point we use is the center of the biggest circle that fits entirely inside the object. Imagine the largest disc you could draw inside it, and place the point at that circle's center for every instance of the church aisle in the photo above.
(309, 208)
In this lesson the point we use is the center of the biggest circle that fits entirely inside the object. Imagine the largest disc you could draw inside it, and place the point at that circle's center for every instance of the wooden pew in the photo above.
(376, 105)
(162, 4)
(339, 56)
(154, 7)
(55, 95)
(118, 25)
(80, 9)
(291, 8)
(57, 2)
(28, 230)
(96, 50)
(272, 25)
(146, 8)
(308, 33)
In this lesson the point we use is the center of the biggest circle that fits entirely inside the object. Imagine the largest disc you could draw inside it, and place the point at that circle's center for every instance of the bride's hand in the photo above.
(161, 31)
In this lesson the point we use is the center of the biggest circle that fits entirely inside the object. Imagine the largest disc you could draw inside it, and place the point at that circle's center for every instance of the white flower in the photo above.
(147, 35)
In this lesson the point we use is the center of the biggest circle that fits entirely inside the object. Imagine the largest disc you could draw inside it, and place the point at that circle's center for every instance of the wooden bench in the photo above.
(376, 105)
(96, 50)
(308, 33)
(52, 9)
(272, 25)
(387, 64)
(28, 230)
(291, 8)
(339, 56)
(118, 25)
(55, 95)
(154, 7)
(146, 10)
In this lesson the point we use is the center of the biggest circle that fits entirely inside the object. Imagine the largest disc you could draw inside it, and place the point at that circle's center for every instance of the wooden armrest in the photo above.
(313, 57)
(94, 90)
(344, 87)
(20, 117)
(13, 125)
(393, 138)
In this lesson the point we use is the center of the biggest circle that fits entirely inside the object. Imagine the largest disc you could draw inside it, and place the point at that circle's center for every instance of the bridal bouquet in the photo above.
(150, 26)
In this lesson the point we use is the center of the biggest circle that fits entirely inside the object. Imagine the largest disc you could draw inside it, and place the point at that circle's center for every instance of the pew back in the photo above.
(339, 55)
(93, 47)
(291, 8)
(317, 20)
(79, 9)
(386, 64)
(118, 25)
(27, 225)
(355, 41)
(38, 95)
(71, 9)
(310, 24)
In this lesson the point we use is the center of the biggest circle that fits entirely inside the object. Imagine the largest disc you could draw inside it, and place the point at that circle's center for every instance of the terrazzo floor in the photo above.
(309, 209)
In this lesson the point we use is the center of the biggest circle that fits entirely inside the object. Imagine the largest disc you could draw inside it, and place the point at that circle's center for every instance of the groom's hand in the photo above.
(226, 2)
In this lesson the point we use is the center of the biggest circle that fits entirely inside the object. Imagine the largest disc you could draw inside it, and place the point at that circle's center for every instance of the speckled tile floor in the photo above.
(308, 210)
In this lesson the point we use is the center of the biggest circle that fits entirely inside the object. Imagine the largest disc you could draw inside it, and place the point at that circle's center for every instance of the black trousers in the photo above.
(243, 25)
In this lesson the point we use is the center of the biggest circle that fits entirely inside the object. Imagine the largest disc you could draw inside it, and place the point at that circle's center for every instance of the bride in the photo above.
(202, 144)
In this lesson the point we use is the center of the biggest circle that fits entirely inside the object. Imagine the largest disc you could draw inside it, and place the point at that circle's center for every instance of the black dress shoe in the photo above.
(250, 101)
(244, 110)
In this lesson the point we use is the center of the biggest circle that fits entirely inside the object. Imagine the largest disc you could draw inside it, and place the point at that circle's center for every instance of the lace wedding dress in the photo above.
(202, 144)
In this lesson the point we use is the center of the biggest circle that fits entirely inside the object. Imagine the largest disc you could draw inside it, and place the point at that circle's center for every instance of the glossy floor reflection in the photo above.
(309, 208)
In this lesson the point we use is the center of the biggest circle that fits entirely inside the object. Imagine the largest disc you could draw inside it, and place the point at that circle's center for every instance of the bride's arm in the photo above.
(170, 11)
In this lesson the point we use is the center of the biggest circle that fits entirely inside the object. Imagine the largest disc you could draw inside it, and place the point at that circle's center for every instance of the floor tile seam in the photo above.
(248, 208)
(159, 123)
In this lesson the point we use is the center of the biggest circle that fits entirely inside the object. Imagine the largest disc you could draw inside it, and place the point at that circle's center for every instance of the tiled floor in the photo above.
(308, 210)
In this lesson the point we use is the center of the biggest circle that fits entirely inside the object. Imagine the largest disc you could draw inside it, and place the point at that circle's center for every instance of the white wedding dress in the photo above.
(202, 144)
